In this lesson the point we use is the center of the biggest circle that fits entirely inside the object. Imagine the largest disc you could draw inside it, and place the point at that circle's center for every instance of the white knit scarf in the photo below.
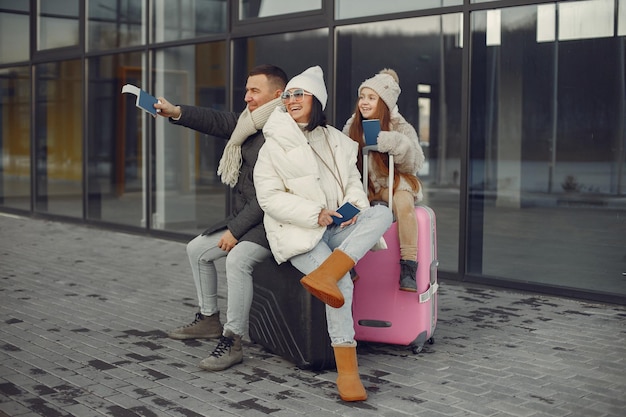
(247, 124)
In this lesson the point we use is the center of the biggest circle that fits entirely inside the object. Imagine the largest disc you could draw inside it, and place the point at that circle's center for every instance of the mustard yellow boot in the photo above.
(322, 282)
(348, 380)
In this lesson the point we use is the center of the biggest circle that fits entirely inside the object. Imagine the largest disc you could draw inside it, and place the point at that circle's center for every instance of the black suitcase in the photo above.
(286, 319)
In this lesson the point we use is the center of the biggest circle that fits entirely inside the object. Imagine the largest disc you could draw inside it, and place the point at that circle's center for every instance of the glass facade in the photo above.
(58, 24)
(188, 194)
(187, 19)
(14, 18)
(347, 9)
(116, 141)
(264, 8)
(115, 24)
(520, 108)
(58, 145)
(429, 69)
(546, 168)
(15, 142)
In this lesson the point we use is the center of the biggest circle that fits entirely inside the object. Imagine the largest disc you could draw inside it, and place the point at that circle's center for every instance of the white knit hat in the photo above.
(311, 80)
(386, 85)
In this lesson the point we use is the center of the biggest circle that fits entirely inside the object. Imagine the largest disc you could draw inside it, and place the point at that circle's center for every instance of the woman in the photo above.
(304, 172)
(377, 100)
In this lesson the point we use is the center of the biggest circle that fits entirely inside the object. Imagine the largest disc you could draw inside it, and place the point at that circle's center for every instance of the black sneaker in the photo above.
(408, 271)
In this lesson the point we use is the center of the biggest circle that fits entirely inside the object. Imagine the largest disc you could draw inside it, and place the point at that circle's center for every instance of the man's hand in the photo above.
(227, 241)
(167, 109)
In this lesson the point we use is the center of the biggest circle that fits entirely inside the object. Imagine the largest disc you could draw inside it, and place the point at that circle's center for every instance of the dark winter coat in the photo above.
(246, 219)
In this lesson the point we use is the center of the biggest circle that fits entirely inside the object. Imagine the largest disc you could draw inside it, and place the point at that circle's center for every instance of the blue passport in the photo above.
(348, 211)
(145, 101)
(371, 129)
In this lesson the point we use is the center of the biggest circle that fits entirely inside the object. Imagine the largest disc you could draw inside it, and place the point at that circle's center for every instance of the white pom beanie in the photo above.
(311, 80)
(386, 85)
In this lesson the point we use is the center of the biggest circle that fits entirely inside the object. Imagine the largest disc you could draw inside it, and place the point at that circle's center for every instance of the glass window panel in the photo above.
(114, 23)
(59, 138)
(189, 195)
(347, 9)
(429, 69)
(546, 23)
(621, 19)
(57, 24)
(293, 52)
(15, 137)
(264, 8)
(547, 157)
(116, 140)
(188, 19)
(494, 27)
(14, 32)
(586, 19)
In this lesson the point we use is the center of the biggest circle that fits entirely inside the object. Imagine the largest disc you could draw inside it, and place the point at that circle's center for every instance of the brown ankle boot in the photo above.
(322, 282)
(348, 380)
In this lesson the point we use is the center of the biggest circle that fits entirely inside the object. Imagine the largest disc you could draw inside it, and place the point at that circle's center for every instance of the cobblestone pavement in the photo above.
(83, 315)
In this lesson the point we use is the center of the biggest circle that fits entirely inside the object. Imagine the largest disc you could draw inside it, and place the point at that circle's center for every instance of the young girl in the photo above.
(377, 100)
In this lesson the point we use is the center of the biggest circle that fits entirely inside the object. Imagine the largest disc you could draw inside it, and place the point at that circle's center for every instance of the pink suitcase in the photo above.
(384, 314)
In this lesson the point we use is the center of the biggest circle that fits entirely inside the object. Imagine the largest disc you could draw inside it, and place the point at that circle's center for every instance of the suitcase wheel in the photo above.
(418, 348)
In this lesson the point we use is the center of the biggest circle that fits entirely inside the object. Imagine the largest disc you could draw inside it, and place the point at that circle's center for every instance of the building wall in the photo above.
(520, 107)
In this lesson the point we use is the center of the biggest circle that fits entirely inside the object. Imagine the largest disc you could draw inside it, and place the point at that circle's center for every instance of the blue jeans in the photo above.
(355, 241)
(203, 252)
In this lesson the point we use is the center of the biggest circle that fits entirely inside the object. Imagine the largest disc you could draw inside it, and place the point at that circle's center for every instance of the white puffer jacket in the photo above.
(401, 142)
(287, 182)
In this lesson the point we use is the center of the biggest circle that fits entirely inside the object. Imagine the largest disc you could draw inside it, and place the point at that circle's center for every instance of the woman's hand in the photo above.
(325, 218)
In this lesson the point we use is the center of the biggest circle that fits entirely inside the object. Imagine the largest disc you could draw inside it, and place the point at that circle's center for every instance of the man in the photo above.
(241, 236)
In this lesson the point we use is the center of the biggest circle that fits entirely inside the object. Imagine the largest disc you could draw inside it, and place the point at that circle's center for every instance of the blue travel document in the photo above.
(348, 211)
(145, 101)
(371, 129)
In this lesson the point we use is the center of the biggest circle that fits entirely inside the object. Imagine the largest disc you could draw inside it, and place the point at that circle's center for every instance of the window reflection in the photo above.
(293, 52)
(113, 24)
(15, 137)
(57, 24)
(586, 19)
(346, 9)
(621, 18)
(429, 68)
(14, 32)
(188, 194)
(547, 156)
(264, 8)
(58, 139)
(116, 141)
(186, 19)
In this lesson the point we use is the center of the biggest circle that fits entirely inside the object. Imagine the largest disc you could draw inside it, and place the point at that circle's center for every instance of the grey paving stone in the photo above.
(83, 333)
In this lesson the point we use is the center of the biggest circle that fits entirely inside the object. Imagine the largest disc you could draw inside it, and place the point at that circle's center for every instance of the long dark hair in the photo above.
(317, 118)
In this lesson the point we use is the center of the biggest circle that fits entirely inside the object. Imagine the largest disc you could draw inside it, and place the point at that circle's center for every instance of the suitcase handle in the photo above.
(366, 151)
